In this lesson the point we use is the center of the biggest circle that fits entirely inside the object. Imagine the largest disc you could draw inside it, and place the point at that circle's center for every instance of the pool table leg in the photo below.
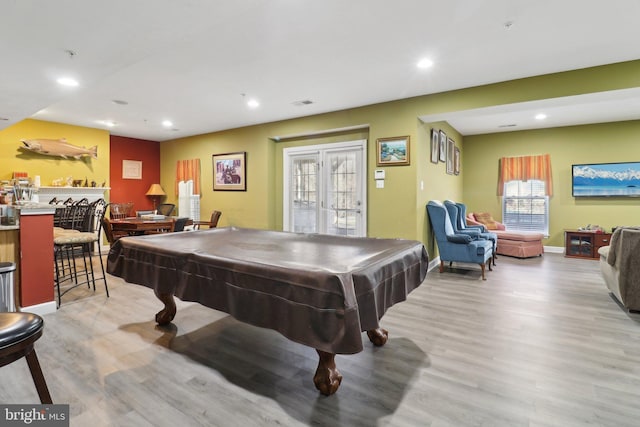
(167, 314)
(327, 378)
(378, 336)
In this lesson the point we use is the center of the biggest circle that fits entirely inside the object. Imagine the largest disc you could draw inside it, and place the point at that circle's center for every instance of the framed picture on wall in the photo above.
(131, 169)
(456, 161)
(230, 171)
(451, 146)
(392, 151)
(443, 146)
(435, 145)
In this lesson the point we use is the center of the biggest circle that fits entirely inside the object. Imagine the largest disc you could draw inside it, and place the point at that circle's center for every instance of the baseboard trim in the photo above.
(550, 249)
(434, 263)
(554, 249)
(40, 309)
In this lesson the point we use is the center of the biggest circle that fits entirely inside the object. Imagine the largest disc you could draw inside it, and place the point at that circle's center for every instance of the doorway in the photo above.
(325, 189)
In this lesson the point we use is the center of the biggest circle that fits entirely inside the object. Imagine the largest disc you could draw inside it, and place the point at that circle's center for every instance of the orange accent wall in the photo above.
(133, 190)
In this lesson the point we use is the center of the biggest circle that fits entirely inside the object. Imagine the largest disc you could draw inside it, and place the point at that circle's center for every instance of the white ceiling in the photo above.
(190, 61)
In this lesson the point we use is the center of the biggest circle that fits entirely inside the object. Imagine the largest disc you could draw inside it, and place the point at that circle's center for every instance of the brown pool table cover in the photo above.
(318, 290)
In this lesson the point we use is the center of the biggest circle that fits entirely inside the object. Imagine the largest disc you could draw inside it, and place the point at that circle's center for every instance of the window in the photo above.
(525, 207)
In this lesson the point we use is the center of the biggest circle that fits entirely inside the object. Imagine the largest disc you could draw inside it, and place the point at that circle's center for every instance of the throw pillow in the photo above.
(486, 219)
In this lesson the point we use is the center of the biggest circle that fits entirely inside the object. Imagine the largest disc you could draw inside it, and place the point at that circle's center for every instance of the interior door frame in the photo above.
(360, 144)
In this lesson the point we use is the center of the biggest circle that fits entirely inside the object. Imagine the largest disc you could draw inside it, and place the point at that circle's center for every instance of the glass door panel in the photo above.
(343, 200)
(303, 195)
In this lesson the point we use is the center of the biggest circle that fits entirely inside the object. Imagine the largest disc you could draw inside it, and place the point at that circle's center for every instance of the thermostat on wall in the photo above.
(378, 174)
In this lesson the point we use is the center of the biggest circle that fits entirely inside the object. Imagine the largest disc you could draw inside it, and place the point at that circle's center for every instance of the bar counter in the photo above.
(25, 244)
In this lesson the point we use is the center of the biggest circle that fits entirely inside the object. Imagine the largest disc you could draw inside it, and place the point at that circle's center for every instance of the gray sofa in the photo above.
(620, 266)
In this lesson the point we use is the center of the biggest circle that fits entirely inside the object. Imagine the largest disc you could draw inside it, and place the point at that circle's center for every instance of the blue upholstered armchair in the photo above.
(454, 215)
(457, 214)
(462, 209)
(457, 247)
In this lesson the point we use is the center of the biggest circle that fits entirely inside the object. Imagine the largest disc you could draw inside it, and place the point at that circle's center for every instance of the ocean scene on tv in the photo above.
(606, 179)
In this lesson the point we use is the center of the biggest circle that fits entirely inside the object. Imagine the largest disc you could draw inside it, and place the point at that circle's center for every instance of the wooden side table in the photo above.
(584, 243)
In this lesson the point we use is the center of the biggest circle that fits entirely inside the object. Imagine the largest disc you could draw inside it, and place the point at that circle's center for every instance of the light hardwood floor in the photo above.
(540, 343)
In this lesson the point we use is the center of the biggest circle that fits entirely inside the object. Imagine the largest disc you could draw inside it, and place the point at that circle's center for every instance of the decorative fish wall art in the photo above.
(59, 148)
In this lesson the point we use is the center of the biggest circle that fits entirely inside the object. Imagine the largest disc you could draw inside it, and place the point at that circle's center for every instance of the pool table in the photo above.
(318, 290)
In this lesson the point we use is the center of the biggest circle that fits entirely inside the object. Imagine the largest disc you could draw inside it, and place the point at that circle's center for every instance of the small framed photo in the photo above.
(392, 151)
(456, 161)
(451, 147)
(435, 145)
(131, 169)
(443, 146)
(230, 171)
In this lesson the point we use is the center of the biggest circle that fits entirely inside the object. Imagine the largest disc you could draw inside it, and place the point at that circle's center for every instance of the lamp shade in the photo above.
(156, 190)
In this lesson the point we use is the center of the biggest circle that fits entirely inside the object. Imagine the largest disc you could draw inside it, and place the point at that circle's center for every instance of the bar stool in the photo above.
(18, 333)
(84, 234)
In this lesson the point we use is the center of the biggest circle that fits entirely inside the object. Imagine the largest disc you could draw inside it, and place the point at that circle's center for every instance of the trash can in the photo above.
(7, 299)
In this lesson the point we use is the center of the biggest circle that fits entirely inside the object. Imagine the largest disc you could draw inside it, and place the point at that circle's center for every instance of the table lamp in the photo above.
(155, 192)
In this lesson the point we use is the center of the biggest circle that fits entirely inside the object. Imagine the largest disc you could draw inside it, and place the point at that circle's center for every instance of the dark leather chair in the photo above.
(212, 223)
(18, 333)
(179, 223)
(165, 209)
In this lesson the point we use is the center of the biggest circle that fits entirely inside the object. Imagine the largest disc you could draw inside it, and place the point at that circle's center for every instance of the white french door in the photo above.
(325, 189)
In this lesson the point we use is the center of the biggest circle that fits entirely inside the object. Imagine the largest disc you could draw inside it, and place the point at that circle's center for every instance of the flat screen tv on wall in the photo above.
(606, 180)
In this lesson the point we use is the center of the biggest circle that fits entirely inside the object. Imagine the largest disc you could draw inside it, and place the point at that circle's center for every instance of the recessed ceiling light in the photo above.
(108, 123)
(167, 123)
(541, 116)
(424, 63)
(253, 103)
(67, 81)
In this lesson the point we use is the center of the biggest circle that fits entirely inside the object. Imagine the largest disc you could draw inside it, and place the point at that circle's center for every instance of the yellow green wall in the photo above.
(398, 210)
(394, 211)
(14, 158)
(253, 208)
(599, 143)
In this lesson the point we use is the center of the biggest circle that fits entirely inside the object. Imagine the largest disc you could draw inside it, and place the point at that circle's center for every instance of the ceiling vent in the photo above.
(510, 125)
(303, 102)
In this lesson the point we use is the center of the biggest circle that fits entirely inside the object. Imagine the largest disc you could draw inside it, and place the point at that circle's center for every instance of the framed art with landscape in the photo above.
(392, 151)
(230, 171)
(606, 180)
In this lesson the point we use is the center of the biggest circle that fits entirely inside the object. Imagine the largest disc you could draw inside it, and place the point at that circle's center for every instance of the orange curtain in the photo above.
(186, 170)
(525, 168)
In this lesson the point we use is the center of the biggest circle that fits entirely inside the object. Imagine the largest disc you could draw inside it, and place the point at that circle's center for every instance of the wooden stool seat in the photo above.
(18, 333)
